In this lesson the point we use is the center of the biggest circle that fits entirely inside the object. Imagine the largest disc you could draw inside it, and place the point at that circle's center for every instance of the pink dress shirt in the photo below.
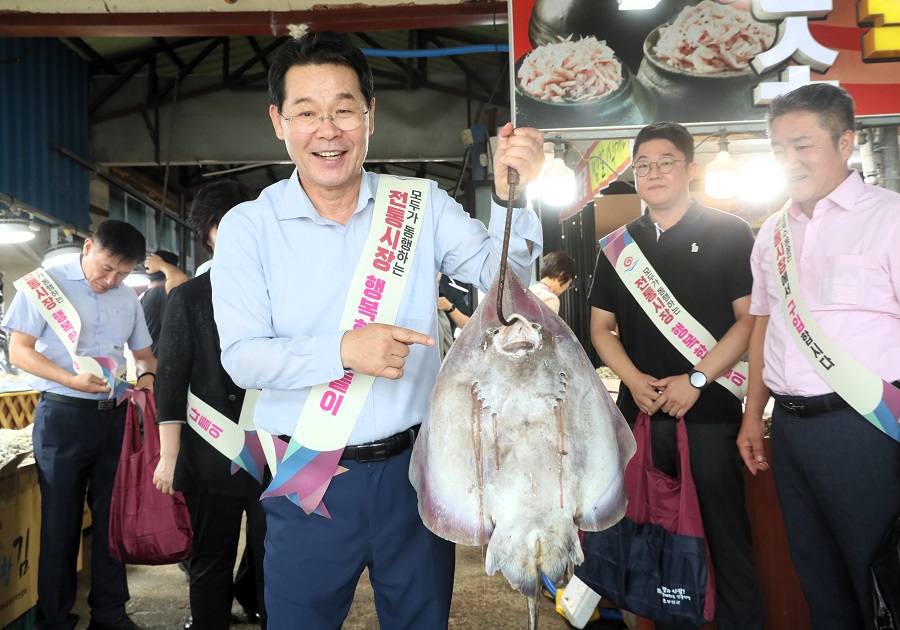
(848, 261)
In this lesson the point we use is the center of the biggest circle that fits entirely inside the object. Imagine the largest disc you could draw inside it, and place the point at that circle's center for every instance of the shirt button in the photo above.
(232, 397)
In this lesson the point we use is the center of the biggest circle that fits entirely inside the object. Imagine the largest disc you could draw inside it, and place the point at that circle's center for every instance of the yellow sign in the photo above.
(883, 41)
(606, 160)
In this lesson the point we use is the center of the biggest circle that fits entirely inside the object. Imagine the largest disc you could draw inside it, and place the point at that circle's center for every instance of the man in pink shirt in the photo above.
(835, 473)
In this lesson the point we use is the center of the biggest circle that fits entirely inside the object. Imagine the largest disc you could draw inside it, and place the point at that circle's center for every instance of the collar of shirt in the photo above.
(296, 203)
(844, 197)
(74, 271)
(691, 216)
(847, 280)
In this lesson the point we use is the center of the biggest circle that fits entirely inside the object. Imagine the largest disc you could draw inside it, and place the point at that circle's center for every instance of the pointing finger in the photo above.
(407, 336)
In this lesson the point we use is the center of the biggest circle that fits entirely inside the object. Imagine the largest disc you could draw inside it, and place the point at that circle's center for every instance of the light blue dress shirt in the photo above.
(280, 284)
(108, 320)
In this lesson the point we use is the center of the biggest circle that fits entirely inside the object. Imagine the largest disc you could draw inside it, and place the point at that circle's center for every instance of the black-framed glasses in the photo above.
(665, 165)
(343, 119)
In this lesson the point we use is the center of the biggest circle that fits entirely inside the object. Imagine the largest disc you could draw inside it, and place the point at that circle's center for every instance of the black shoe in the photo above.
(122, 623)
(189, 622)
(252, 615)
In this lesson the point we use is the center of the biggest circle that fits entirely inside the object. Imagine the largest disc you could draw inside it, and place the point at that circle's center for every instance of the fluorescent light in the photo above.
(637, 5)
(137, 279)
(14, 231)
(61, 254)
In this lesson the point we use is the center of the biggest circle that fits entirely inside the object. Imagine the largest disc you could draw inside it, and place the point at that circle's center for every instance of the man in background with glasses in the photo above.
(286, 276)
(702, 256)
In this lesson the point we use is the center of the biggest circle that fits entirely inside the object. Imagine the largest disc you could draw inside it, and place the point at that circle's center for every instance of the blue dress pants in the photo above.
(313, 564)
(77, 452)
(838, 483)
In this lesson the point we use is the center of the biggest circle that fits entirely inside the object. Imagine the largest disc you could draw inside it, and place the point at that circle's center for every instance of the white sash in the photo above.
(216, 428)
(331, 410)
(229, 438)
(59, 313)
(871, 396)
(679, 327)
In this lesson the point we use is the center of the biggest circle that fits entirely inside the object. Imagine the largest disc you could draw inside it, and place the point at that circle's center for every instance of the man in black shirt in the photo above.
(703, 257)
(164, 276)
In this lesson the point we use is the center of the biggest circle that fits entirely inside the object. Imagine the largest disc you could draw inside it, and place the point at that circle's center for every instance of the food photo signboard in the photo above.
(592, 64)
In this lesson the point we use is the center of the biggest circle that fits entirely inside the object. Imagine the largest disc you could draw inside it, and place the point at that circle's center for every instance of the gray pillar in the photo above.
(881, 156)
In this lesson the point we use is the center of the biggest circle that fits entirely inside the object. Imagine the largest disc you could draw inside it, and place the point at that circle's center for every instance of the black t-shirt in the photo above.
(153, 301)
(458, 297)
(704, 259)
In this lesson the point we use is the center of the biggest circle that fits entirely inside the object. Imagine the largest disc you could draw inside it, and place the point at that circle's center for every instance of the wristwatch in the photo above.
(452, 308)
(698, 379)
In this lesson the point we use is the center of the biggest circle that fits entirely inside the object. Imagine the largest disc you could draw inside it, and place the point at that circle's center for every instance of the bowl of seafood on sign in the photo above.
(699, 64)
(578, 83)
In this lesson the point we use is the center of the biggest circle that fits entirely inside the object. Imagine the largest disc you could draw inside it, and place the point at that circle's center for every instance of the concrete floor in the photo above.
(159, 600)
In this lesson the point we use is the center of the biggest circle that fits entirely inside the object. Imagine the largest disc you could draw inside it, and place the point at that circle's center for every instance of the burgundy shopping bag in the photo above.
(145, 525)
(655, 562)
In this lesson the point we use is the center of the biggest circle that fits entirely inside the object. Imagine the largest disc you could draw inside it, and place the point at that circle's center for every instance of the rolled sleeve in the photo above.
(761, 269)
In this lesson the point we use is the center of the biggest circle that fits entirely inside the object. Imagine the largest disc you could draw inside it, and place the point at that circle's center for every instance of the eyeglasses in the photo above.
(343, 119)
(665, 165)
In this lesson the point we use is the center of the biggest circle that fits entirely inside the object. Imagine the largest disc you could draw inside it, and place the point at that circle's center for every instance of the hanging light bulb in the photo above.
(723, 174)
(558, 187)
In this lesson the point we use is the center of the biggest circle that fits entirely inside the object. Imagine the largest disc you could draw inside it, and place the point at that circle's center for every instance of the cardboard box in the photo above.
(20, 531)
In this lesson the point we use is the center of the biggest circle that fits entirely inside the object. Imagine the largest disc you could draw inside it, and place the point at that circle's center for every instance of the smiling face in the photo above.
(664, 191)
(814, 165)
(329, 160)
(102, 270)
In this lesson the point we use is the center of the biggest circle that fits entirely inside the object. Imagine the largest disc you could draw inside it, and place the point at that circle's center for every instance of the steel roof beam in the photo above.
(96, 59)
(170, 52)
(119, 82)
(229, 23)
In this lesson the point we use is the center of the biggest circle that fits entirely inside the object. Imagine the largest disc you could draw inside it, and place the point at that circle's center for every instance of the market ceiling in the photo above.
(143, 54)
(200, 18)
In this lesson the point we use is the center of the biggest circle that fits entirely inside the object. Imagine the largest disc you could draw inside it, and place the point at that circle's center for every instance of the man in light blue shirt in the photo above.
(78, 430)
(283, 268)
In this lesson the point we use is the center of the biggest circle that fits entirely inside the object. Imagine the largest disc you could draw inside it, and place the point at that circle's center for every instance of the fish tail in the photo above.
(522, 555)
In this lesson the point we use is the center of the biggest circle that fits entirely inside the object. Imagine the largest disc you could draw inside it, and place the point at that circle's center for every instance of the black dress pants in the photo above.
(719, 477)
(837, 481)
(216, 521)
(77, 453)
